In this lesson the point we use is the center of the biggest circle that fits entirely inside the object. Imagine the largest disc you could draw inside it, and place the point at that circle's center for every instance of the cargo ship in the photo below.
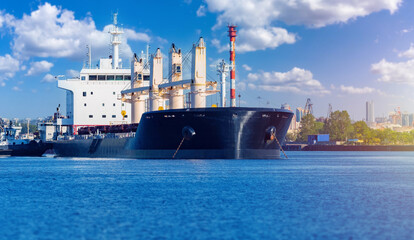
(188, 129)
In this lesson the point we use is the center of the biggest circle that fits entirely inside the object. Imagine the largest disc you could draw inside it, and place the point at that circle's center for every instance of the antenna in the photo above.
(116, 41)
(223, 69)
(89, 55)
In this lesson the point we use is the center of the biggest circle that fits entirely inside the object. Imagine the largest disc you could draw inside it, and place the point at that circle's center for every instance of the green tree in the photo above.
(291, 137)
(339, 126)
(318, 127)
(362, 132)
(308, 127)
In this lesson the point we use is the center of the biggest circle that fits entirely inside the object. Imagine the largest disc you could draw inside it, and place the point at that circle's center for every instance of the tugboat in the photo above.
(185, 131)
(11, 145)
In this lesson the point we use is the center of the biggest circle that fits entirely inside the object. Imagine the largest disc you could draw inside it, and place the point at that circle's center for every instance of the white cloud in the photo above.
(201, 11)
(246, 67)
(216, 43)
(257, 18)
(8, 67)
(48, 78)
(394, 72)
(2, 84)
(409, 53)
(312, 13)
(17, 89)
(132, 35)
(51, 31)
(253, 39)
(39, 67)
(296, 80)
(355, 90)
(407, 30)
(241, 86)
(72, 73)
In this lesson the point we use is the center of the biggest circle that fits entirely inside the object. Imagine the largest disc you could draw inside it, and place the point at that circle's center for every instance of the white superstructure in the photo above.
(94, 98)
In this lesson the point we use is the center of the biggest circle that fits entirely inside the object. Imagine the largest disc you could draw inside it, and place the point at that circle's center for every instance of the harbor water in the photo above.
(312, 195)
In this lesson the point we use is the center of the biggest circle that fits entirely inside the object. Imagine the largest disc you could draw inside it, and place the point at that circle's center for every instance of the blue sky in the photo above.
(340, 52)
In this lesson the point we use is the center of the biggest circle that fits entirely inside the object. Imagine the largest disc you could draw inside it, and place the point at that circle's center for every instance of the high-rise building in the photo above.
(299, 114)
(405, 120)
(370, 112)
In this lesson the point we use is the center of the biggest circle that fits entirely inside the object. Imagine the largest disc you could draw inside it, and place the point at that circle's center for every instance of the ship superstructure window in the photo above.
(84, 94)
(119, 77)
(113, 116)
(91, 93)
(103, 104)
(110, 77)
(113, 93)
(146, 77)
(92, 77)
(101, 77)
(139, 77)
(83, 78)
(90, 116)
(103, 116)
(127, 77)
(84, 104)
(113, 104)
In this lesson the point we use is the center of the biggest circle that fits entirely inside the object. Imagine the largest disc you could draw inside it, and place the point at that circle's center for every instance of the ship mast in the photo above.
(223, 69)
(116, 40)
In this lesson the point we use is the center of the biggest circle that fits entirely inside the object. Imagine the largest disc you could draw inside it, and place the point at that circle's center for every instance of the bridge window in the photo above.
(127, 77)
(110, 77)
(119, 77)
(103, 116)
(113, 116)
(92, 77)
(101, 77)
(146, 77)
(83, 78)
(90, 116)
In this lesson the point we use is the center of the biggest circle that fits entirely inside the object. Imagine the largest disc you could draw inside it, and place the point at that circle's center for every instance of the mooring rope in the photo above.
(178, 147)
(280, 146)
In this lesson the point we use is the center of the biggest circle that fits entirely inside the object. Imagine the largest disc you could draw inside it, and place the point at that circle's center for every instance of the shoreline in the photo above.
(305, 147)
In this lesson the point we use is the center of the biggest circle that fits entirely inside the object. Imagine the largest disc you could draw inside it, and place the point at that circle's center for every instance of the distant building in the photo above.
(299, 114)
(370, 112)
(405, 121)
(381, 120)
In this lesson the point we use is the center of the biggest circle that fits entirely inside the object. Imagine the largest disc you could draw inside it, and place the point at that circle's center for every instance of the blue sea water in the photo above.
(312, 195)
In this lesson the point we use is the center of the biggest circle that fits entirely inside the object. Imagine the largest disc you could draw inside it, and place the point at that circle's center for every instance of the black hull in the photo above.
(33, 149)
(220, 133)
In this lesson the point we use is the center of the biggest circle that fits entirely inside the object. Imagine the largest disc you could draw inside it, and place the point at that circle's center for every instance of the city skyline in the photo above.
(339, 58)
